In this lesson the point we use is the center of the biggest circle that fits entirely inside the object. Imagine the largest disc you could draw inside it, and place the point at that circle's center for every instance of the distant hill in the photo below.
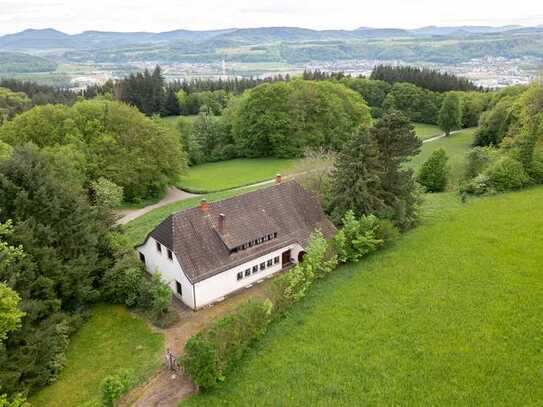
(11, 62)
(291, 45)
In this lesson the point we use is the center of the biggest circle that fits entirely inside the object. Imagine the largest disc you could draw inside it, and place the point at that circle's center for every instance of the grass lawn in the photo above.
(111, 340)
(218, 176)
(426, 131)
(451, 315)
(456, 146)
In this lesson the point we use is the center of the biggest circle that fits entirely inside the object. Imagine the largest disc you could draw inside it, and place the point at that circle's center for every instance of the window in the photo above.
(262, 266)
(276, 260)
(142, 258)
(178, 288)
(270, 263)
(240, 275)
(275, 235)
(158, 247)
(247, 272)
(170, 255)
(255, 269)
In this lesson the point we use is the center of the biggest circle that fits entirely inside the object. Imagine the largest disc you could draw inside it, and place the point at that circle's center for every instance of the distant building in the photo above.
(208, 252)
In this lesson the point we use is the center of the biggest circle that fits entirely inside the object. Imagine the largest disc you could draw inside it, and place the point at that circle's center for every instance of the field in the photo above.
(426, 131)
(451, 315)
(456, 146)
(112, 339)
(224, 175)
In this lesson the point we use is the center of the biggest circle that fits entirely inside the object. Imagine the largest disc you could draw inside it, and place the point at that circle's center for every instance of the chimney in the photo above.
(278, 179)
(204, 206)
(222, 218)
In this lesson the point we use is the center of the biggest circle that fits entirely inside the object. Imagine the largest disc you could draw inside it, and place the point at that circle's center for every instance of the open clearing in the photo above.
(448, 316)
(112, 339)
(426, 131)
(218, 176)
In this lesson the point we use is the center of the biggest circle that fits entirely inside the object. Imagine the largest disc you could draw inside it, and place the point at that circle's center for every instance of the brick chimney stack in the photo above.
(204, 206)
(278, 178)
(222, 219)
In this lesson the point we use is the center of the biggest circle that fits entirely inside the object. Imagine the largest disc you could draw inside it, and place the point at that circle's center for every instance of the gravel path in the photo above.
(173, 195)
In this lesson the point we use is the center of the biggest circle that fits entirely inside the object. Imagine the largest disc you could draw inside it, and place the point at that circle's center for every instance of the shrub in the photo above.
(293, 286)
(506, 174)
(124, 282)
(106, 194)
(358, 237)
(434, 173)
(211, 353)
(114, 386)
(478, 159)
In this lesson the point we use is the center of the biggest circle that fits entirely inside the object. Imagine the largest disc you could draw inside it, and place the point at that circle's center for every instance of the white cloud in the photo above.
(161, 15)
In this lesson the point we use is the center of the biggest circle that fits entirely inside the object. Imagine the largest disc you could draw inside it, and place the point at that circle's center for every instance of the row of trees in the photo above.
(425, 78)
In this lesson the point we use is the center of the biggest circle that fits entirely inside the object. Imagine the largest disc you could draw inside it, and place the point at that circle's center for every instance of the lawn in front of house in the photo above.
(112, 339)
(425, 131)
(450, 315)
(222, 175)
(456, 146)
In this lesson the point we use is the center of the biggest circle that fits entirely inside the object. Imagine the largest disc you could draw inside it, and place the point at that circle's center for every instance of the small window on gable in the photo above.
(276, 260)
(158, 247)
(255, 269)
(270, 263)
(240, 275)
(262, 266)
(247, 272)
(170, 255)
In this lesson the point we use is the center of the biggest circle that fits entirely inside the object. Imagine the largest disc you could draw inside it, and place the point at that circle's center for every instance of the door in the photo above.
(285, 258)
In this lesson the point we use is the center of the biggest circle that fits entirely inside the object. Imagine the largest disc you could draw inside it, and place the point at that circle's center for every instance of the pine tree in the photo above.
(357, 183)
(170, 106)
(397, 143)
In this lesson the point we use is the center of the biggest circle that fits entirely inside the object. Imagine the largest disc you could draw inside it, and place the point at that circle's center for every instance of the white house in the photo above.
(208, 252)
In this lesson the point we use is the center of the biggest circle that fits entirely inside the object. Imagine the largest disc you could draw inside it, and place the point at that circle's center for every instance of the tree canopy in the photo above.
(104, 139)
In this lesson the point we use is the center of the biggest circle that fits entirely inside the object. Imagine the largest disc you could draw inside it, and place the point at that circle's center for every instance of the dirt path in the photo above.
(166, 388)
(429, 140)
(173, 195)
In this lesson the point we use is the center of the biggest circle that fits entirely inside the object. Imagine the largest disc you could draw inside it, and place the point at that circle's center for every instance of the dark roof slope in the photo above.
(286, 209)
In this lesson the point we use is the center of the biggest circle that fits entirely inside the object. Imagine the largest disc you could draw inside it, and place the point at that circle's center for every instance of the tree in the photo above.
(65, 247)
(170, 107)
(434, 173)
(450, 114)
(357, 238)
(357, 178)
(397, 143)
(10, 315)
(107, 139)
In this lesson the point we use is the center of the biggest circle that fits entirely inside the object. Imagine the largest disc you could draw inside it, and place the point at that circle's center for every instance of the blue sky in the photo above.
(74, 16)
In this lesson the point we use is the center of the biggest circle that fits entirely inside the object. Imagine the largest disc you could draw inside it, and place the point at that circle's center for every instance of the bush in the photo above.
(506, 174)
(211, 353)
(478, 159)
(434, 173)
(358, 238)
(124, 282)
(114, 386)
(293, 286)
(106, 194)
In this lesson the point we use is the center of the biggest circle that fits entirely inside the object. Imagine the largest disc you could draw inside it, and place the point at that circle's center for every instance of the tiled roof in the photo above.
(285, 209)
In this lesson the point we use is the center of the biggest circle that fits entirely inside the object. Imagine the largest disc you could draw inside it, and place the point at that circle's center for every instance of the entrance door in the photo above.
(285, 258)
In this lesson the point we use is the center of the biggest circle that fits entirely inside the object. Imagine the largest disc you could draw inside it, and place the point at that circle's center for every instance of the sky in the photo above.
(74, 16)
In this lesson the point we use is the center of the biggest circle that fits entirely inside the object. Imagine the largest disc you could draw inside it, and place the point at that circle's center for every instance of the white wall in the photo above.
(220, 285)
(170, 270)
